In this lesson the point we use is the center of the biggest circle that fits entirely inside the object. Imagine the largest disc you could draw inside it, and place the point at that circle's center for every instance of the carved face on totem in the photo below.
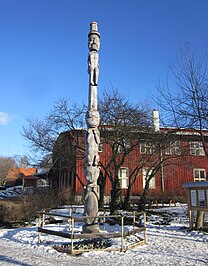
(93, 118)
(94, 42)
(92, 174)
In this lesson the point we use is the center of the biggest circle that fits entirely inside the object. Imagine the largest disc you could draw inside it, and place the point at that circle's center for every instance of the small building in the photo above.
(21, 177)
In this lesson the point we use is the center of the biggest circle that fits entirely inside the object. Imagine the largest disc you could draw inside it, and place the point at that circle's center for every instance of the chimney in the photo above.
(156, 120)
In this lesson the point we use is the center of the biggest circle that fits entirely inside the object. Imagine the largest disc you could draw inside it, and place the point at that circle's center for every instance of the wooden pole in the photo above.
(39, 225)
(72, 236)
(145, 235)
(69, 220)
(191, 219)
(122, 233)
(104, 220)
(134, 219)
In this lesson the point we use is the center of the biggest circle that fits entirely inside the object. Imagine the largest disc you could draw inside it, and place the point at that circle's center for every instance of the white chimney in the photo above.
(156, 120)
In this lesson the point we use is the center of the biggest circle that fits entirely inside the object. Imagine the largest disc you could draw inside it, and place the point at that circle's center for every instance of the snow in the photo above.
(170, 244)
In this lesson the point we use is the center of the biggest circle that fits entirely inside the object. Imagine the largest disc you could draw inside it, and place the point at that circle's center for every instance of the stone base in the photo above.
(90, 228)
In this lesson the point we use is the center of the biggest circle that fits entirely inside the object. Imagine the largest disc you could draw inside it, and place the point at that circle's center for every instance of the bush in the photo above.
(179, 195)
(25, 210)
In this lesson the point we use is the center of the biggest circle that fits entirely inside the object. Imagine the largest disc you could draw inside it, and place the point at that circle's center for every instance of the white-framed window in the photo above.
(124, 145)
(124, 177)
(118, 148)
(127, 144)
(199, 175)
(146, 147)
(174, 148)
(100, 147)
(196, 148)
(147, 174)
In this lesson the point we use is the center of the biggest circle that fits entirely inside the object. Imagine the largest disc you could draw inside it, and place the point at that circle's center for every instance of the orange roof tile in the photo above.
(15, 173)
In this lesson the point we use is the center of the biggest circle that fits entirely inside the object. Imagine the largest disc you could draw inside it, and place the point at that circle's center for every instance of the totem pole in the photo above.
(92, 136)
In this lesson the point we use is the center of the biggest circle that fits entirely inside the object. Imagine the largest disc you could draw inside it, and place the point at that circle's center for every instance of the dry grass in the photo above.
(25, 209)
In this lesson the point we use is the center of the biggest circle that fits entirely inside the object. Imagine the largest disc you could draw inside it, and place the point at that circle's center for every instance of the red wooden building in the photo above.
(178, 159)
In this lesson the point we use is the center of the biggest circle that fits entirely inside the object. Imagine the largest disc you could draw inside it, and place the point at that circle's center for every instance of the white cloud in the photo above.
(4, 118)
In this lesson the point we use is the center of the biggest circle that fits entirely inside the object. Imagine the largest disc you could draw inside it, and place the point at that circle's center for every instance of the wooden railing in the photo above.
(72, 235)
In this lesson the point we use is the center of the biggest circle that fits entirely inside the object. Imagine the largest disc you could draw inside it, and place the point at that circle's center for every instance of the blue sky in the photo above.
(43, 52)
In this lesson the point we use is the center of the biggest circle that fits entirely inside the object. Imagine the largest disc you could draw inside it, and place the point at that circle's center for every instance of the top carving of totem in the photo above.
(93, 58)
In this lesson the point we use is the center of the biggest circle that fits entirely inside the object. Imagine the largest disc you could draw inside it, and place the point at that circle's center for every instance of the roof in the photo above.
(15, 173)
(196, 184)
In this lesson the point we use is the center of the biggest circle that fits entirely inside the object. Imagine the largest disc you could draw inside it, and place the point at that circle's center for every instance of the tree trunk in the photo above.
(115, 196)
(143, 199)
(199, 219)
(101, 182)
(126, 203)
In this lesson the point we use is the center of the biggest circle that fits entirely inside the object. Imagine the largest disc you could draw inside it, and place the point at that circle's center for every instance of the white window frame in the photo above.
(123, 175)
(199, 174)
(146, 147)
(145, 173)
(196, 148)
(100, 147)
(174, 148)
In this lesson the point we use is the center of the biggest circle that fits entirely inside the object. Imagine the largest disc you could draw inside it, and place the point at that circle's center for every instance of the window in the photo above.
(124, 177)
(199, 175)
(147, 174)
(120, 149)
(196, 148)
(100, 147)
(146, 147)
(174, 148)
(117, 147)
(127, 144)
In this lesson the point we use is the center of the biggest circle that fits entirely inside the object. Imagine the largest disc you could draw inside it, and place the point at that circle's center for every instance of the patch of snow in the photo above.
(170, 244)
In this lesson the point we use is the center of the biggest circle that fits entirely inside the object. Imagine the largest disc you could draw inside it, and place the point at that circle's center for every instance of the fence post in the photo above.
(104, 220)
(39, 225)
(145, 235)
(72, 236)
(134, 220)
(43, 218)
(122, 233)
(70, 214)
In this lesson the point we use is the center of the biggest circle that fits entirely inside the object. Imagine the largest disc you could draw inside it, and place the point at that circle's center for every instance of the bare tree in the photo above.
(42, 134)
(5, 164)
(121, 124)
(187, 105)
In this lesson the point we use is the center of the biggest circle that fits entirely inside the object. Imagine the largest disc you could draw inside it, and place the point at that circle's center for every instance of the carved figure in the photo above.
(93, 58)
(92, 174)
(92, 141)
(92, 118)
(91, 204)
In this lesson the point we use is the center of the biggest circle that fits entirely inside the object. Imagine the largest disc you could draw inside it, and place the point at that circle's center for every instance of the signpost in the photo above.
(197, 198)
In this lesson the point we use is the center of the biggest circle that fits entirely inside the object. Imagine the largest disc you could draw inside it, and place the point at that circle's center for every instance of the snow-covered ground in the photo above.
(169, 244)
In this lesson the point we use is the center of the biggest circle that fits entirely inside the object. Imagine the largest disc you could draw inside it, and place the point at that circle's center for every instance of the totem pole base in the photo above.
(90, 229)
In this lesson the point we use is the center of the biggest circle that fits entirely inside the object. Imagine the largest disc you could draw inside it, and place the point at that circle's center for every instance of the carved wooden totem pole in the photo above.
(92, 134)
